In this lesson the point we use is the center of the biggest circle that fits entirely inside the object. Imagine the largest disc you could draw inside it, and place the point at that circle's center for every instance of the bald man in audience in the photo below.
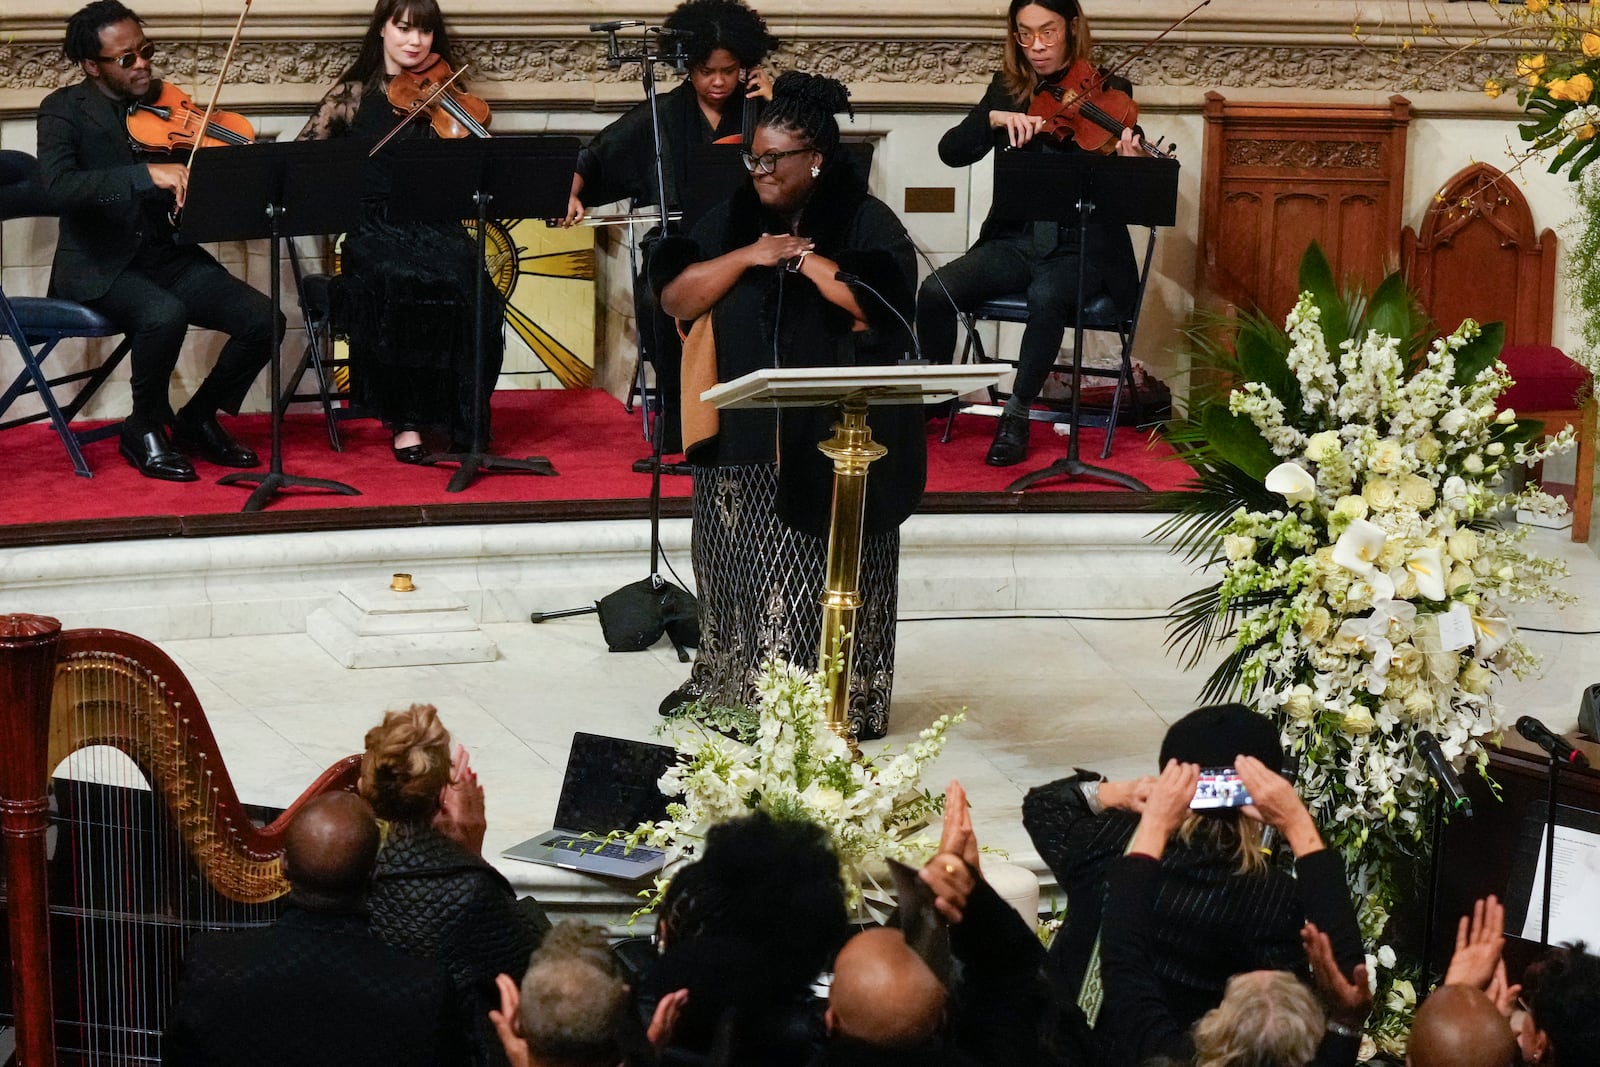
(1458, 1026)
(315, 987)
(887, 1007)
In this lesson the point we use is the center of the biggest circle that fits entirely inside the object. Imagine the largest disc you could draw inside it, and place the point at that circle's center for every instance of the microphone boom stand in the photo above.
(662, 597)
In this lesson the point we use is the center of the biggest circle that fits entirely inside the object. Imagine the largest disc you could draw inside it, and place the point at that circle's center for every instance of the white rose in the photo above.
(1475, 678)
(1298, 704)
(1455, 493)
(1351, 507)
(1419, 704)
(1386, 456)
(1428, 448)
(1321, 447)
(1358, 720)
(1385, 956)
(1461, 577)
(1417, 491)
(1238, 547)
(1381, 494)
(1462, 544)
(1406, 658)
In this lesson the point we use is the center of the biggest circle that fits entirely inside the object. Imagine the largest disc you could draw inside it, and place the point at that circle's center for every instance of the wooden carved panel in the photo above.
(1278, 176)
(1479, 255)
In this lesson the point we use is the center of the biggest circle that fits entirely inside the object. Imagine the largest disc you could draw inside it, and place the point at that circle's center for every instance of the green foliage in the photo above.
(1583, 280)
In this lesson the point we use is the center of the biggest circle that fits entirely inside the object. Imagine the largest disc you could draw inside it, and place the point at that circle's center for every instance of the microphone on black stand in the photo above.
(1559, 748)
(855, 282)
(1444, 775)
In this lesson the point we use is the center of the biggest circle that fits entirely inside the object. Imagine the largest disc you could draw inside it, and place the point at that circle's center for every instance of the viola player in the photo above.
(116, 252)
(1042, 259)
(407, 290)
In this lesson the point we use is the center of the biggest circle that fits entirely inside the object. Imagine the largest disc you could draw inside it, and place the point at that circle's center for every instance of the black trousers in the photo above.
(997, 267)
(166, 289)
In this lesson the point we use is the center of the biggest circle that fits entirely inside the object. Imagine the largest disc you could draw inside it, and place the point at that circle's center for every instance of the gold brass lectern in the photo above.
(852, 450)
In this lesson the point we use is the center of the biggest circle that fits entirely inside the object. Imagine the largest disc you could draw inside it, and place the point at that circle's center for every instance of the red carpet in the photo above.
(588, 436)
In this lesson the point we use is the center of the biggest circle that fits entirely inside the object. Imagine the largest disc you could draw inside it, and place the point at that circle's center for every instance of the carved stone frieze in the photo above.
(34, 65)
(1309, 155)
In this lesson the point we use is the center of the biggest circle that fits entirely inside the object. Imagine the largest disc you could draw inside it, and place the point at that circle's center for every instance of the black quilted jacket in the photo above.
(435, 899)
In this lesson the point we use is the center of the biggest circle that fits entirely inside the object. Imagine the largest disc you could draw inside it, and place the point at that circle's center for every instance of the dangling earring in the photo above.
(815, 170)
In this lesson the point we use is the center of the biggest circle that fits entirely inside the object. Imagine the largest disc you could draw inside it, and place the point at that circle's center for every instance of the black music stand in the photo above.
(1070, 188)
(446, 181)
(275, 191)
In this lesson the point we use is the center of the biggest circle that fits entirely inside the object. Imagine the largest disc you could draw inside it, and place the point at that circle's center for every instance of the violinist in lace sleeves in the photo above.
(405, 294)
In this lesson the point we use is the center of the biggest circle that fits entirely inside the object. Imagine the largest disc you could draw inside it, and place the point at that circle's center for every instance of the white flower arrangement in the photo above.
(784, 759)
(1350, 489)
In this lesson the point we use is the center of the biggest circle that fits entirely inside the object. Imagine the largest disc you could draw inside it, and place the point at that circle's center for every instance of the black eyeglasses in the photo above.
(146, 52)
(768, 163)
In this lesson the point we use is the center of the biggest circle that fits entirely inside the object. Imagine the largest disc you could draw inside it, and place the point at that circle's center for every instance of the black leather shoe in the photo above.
(683, 695)
(153, 457)
(1010, 441)
(208, 440)
(410, 453)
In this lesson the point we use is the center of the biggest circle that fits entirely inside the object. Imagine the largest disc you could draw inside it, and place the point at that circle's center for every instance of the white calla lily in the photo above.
(1292, 482)
(1427, 567)
(1359, 547)
(1493, 633)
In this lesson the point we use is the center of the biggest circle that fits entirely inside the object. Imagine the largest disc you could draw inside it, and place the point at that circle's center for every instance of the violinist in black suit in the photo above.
(117, 255)
(1043, 40)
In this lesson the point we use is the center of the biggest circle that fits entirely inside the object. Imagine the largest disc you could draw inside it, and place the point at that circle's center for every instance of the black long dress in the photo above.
(760, 526)
(405, 295)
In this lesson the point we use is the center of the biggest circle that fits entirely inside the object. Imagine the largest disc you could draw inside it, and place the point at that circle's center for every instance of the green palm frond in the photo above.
(1217, 491)
(1224, 683)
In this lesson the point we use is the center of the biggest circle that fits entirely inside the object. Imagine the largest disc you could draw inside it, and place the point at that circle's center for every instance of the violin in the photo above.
(173, 123)
(452, 111)
(1079, 107)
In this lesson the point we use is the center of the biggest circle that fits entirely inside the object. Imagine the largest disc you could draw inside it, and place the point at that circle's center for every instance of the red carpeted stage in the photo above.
(588, 436)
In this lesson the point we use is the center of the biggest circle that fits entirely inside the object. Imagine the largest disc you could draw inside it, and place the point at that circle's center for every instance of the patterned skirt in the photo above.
(759, 584)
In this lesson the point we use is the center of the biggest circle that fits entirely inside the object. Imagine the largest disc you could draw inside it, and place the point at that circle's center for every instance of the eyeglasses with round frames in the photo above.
(146, 52)
(1047, 36)
(768, 163)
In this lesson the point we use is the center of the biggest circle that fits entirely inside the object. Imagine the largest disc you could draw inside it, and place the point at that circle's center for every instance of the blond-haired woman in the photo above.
(433, 894)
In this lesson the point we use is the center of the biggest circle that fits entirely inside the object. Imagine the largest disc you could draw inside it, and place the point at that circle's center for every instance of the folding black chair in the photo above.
(37, 324)
(1102, 315)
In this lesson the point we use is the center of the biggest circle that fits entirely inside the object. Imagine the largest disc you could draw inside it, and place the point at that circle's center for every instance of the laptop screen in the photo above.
(611, 784)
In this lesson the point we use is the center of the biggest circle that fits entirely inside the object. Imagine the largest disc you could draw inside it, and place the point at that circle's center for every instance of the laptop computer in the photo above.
(610, 785)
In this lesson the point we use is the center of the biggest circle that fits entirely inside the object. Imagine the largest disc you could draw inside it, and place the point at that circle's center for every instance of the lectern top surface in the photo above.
(818, 386)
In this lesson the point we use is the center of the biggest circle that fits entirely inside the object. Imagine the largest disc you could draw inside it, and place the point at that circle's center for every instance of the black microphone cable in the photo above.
(855, 281)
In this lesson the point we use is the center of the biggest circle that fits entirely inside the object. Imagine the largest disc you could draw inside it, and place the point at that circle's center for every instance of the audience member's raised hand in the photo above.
(1129, 795)
(669, 1009)
(1480, 938)
(1348, 1000)
(505, 1025)
(460, 816)
(1165, 808)
(952, 882)
(1278, 805)
(958, 836)
(1502, 992)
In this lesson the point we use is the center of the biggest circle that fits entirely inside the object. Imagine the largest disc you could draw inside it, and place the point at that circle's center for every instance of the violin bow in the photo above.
(1107, 72)
(409, 115)
(222, 76)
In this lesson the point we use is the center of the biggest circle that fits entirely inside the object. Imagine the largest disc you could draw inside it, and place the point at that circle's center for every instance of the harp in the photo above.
(138, 841)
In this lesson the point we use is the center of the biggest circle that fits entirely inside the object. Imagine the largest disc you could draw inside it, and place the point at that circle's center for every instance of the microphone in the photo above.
(668, 31)
(1558, 747)
(614, 25)
(1443, 774)
(855, 282)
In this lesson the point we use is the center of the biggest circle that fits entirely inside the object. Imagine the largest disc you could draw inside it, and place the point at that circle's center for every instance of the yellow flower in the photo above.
(1591, 44)
(1491, 89)
(1578, 88)
(1584, 132)
(1536, 6)
(1529, 68)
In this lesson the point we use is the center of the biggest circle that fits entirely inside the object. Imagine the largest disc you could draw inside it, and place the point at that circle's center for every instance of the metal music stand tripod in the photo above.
(275, 191)
(1069, 188)
(445, 181)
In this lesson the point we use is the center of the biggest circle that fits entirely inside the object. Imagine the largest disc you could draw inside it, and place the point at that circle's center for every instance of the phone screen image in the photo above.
(1220, 787)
